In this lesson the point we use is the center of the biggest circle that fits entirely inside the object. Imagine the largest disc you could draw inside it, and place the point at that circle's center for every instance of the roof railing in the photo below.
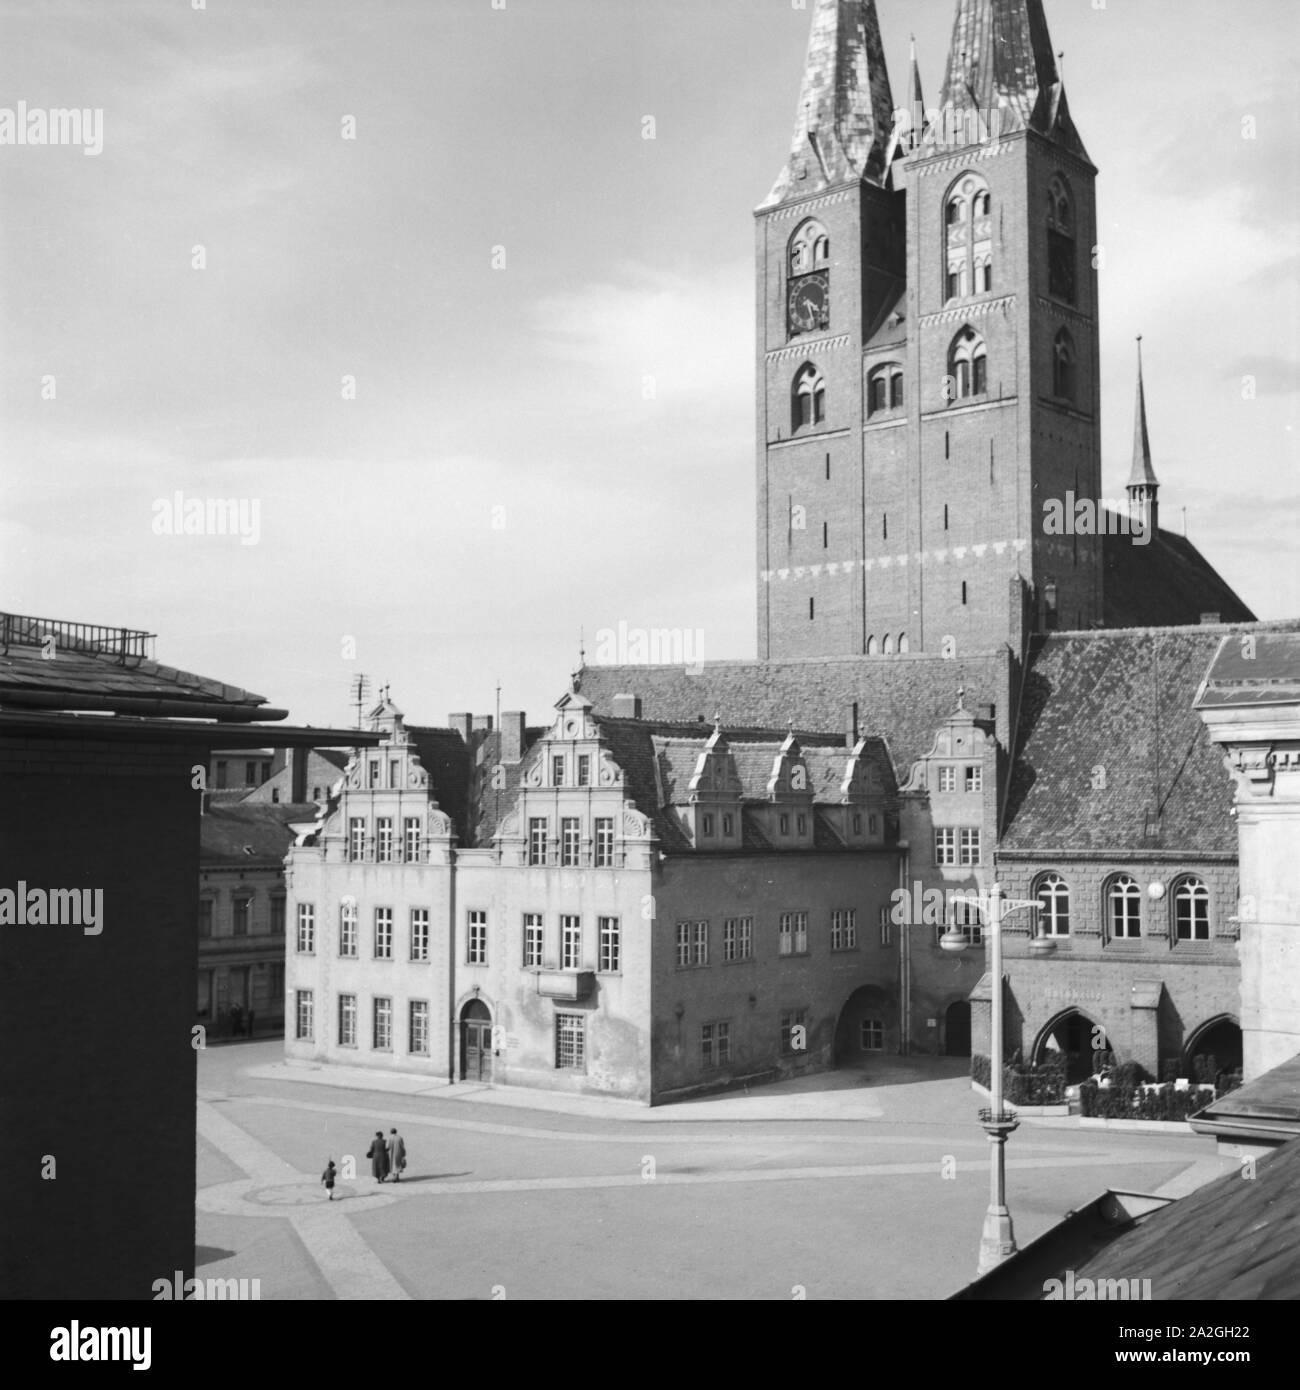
(22, 630)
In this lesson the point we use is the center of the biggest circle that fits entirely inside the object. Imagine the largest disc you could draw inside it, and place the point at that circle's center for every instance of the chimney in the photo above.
(851, 726)
(627, 707)
(298, 774)
(482, 724)
(513, 725)
(462, 723)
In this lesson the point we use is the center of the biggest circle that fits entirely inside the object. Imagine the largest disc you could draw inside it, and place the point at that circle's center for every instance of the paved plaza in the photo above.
(867, 1184)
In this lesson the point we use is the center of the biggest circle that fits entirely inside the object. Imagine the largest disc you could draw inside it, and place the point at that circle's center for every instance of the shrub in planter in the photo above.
(1129, 1075)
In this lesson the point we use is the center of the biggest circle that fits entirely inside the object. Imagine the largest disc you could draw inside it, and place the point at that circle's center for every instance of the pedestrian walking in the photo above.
(377, 1153)
(327, 1177)
(396, 1154)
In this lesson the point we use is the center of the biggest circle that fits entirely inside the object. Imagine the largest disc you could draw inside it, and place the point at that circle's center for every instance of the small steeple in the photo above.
(1143, 485)
(843, 125)
(917, 104)
(1001, 66)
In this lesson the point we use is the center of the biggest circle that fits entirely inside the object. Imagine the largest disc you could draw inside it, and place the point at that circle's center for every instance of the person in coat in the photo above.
(396, 1154)
(327, 1177)
(377, 1153)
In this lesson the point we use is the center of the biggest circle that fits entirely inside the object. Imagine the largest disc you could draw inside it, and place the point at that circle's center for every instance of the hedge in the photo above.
(1023, 1084)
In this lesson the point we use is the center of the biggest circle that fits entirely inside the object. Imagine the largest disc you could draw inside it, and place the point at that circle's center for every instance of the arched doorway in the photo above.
(956, 1029)
(1078, 1037)
(1219, 1038)
(476, 1042)
(867, 1026)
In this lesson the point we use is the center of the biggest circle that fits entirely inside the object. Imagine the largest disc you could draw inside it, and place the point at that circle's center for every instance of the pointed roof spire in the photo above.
(1143, 475)
(1001, 65)
(846, 109)
(917, 129)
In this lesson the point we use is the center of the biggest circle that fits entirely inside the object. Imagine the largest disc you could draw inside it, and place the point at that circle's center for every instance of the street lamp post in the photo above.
(998, 1241)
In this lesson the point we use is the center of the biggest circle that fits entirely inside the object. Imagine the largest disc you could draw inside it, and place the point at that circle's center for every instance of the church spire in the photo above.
(917, 103)
(846, 110)
(1001, 67)
(1143, 485)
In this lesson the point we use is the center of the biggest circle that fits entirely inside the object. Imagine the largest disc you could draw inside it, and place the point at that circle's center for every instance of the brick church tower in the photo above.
(928, 349)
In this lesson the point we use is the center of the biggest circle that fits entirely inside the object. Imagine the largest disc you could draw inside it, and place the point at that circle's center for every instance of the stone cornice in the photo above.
(809, 348)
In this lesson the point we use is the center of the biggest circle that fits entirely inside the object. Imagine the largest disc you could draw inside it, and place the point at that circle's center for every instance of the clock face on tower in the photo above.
(809, 306)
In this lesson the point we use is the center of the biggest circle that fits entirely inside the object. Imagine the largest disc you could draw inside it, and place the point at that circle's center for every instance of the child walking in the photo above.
(327, 1177)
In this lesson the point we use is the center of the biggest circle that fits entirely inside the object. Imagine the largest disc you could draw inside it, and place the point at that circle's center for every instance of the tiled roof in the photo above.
(1093, 701)
(1228, 1240)
(1165, 583)
(1271, 1100)
(445, 756)
(901, 700)
(248, 833)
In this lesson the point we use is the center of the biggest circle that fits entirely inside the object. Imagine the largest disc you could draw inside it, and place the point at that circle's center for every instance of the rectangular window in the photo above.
(557, 770)
(794, 1031)
(886, 927)
(571, 1042)
(584, 769)
(277, 916)
(737, 938)
(604, 842)
(304, 1015)
(801, 825)
(715, 1044)
(306, 929)
(382, 1037)
(857, 823)
(533, 940)
(975, 778)
(570, 943)
(945, 846)
(243, 910)
(783, 822)
(610, 945)
(372, 779)
(221, 775)
(708, 824)
(394, 776)
(250, 774)
(412, 837)
(947, 779)
(383, 933)
(419, 933)
(683, 944)
(964, 916)
(347, 1020)
(384, 835)
(844, 929)
(205, 919)
(477, 939)
(537, 840)
(970, 847)
(356, 838)
(873, 1035)
(348, 929)
(793, 938)
(418, 1033)
(699, 943)
(570, 841)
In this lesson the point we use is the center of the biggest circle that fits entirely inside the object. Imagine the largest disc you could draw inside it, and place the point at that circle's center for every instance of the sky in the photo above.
(409, 275)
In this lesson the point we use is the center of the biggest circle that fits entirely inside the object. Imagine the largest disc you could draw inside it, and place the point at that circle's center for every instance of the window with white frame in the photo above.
(571, 942)
(557, 769)
(886, 927)
(947, 779)
(584, 769)
(382, 1035)
(604, 842)
(570, 841)
(413, 836)
(1054, 905)
(699, 943)
(383, 933)
(1191, 911)
(844, 929)
(571, 1042)
(384, 839)
(970, 846)
(419, 933)
(306, 929)
(418, 1030)
(737, 938)
(964, 916)
(537, 840)
(476, 938)
(304, 1015)
(348, 929)
(683, 944)
(611, 945)
(974, 778)
(715, 1044)
(792, 939)
(347, 1020)
(356, 838)
(1124, 908)
(873, 1035)
(533, 940)
(945, 845)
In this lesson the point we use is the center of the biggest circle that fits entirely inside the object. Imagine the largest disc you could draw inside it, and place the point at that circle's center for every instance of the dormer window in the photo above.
(557, 770)
(947, 779)
(801, 822)
(584, 769)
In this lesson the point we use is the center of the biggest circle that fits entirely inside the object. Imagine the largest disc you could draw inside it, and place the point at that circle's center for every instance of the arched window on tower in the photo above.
(810, 249)
(808, 398)
(885, 388)
(903, 645)
(1064, 381)
(1061, 255)
(889, 644)
(873, 647)
(967, 366)
(968, 223)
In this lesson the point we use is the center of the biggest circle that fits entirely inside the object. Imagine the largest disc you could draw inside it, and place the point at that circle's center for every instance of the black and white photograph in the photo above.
(650, 652)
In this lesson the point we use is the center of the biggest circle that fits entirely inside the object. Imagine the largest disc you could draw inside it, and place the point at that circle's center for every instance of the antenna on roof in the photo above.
(360, 693)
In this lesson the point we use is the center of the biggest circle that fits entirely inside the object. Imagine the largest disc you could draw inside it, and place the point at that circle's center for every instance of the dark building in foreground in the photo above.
(98, 941)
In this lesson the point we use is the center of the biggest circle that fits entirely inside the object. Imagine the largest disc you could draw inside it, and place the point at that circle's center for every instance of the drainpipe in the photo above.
(905, 957)
(451, 965)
